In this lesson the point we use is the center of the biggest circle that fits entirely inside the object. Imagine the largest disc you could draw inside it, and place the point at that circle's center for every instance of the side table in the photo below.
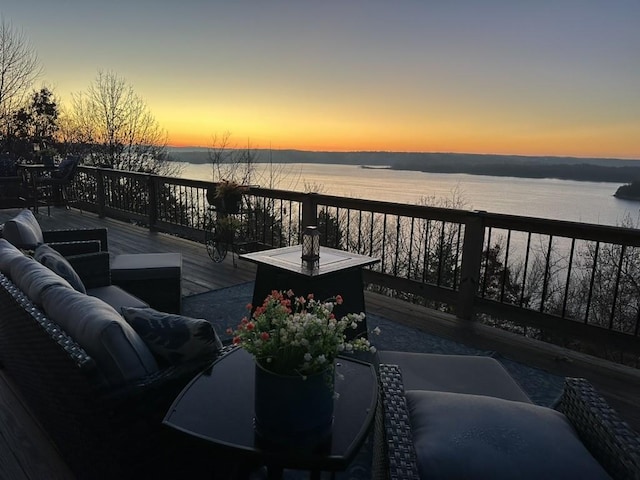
(218, 407)
(338, 273)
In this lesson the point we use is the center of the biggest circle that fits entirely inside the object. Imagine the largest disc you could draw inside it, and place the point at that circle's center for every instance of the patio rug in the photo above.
(225, 307)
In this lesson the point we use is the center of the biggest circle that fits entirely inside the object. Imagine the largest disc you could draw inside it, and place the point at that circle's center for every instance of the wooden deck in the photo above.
(27, 453)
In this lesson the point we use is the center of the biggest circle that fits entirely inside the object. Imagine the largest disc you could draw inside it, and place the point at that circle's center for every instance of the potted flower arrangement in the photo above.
(295, 342)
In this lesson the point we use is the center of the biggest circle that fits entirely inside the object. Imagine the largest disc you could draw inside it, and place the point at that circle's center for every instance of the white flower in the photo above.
(376, 331)
(372, 349)
(321, 359)
(307, 357)
(354, 325)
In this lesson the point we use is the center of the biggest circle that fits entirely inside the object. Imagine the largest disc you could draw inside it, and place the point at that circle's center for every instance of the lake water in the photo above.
(589, 202)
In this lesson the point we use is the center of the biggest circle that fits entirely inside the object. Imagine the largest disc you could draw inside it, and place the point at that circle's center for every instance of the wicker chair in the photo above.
(609, 439)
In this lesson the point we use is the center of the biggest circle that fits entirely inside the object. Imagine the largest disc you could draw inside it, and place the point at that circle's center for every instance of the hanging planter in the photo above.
(226, 196)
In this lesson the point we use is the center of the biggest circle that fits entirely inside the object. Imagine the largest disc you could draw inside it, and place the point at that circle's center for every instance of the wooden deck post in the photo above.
(470, 269)
(100, 192)
(152, 185)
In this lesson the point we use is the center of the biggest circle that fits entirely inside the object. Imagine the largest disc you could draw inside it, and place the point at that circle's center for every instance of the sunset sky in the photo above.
(544, 77)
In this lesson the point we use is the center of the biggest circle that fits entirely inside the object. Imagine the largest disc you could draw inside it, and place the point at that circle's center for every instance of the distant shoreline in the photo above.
(563, 168)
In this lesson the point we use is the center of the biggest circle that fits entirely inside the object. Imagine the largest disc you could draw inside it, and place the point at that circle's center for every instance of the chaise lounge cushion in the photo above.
(23, 230)
(7, 253)
(119, 352)
(174, 338)
(53, 260)
(33, 278)
(475, 436)
(475, 374)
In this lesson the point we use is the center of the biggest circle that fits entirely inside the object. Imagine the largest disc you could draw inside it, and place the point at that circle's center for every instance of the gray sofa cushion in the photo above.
(116, 297)
(173, 337)
(8, 252)
(54, 261)
(119, 352)
(33, 278)
(23, 230)
(475, 436)
(455, 373)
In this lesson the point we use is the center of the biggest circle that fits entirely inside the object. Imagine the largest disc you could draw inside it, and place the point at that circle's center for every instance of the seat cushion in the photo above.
(33, 278)
(8, 252)
(54, 261)
(473, 374)
(23, 230)
(118, 350)
(174, 338)
(475, 436)
(116, 297)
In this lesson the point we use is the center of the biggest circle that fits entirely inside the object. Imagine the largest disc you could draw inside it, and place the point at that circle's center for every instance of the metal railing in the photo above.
(557, 280)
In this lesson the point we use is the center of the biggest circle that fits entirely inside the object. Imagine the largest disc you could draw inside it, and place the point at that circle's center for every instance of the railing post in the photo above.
(471, 262)
(153, 202)
(309, 210)
(100, 194)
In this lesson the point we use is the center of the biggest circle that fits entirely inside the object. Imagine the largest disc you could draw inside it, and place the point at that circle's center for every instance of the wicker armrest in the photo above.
(395, 456)
(153, 395)
(81, 235)
(609, 439)
(76, 247)
(92, 268)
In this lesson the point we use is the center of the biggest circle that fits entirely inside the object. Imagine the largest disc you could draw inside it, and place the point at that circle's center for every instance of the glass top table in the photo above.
(218, 407)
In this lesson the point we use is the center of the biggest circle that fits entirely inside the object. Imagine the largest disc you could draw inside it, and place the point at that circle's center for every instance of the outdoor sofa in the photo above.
(99, 386)
(457, 416)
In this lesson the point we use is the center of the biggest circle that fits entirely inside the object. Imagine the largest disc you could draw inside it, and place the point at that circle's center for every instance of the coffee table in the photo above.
(218, 407)
(338, 273)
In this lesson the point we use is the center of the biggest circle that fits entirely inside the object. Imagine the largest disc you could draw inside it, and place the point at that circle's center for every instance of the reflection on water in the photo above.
(590, 202)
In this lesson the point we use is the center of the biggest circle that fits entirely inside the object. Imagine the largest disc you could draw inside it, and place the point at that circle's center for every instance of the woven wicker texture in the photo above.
(609, 439)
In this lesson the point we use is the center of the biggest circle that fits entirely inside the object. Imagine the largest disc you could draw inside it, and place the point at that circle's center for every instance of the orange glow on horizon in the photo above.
(540, 147)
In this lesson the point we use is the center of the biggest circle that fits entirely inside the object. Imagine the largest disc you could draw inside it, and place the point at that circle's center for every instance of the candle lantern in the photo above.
(311, 246)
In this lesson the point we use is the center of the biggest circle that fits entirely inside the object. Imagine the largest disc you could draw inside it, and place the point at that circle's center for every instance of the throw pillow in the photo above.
(171, 337)
(23, 230)
(118, 351)
(474, 436)
(7, 253)
(51, 259)
(34, 278)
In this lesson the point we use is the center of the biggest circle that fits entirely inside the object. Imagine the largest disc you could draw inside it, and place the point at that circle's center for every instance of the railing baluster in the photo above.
(545, 282)
(505, 268)
(591, 282)
(615, 288)
(486, 263)
(566, 286)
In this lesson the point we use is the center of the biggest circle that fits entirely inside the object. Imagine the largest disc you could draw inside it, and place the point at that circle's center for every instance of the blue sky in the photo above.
(534, 78)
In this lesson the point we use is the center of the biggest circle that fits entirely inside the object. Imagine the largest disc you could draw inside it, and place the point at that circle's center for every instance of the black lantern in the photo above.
(311, 246)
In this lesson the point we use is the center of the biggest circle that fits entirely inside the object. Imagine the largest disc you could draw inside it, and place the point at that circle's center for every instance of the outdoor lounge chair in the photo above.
(471, 431)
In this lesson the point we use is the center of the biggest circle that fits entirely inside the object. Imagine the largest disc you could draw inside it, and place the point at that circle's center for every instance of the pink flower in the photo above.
(251, 326)
(249, 307)
(339, 299)
(264, 336)
(229, 331)
(310, 296)
(236, 340)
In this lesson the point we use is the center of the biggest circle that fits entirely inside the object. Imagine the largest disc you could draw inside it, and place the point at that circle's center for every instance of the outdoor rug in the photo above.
(225, 307)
